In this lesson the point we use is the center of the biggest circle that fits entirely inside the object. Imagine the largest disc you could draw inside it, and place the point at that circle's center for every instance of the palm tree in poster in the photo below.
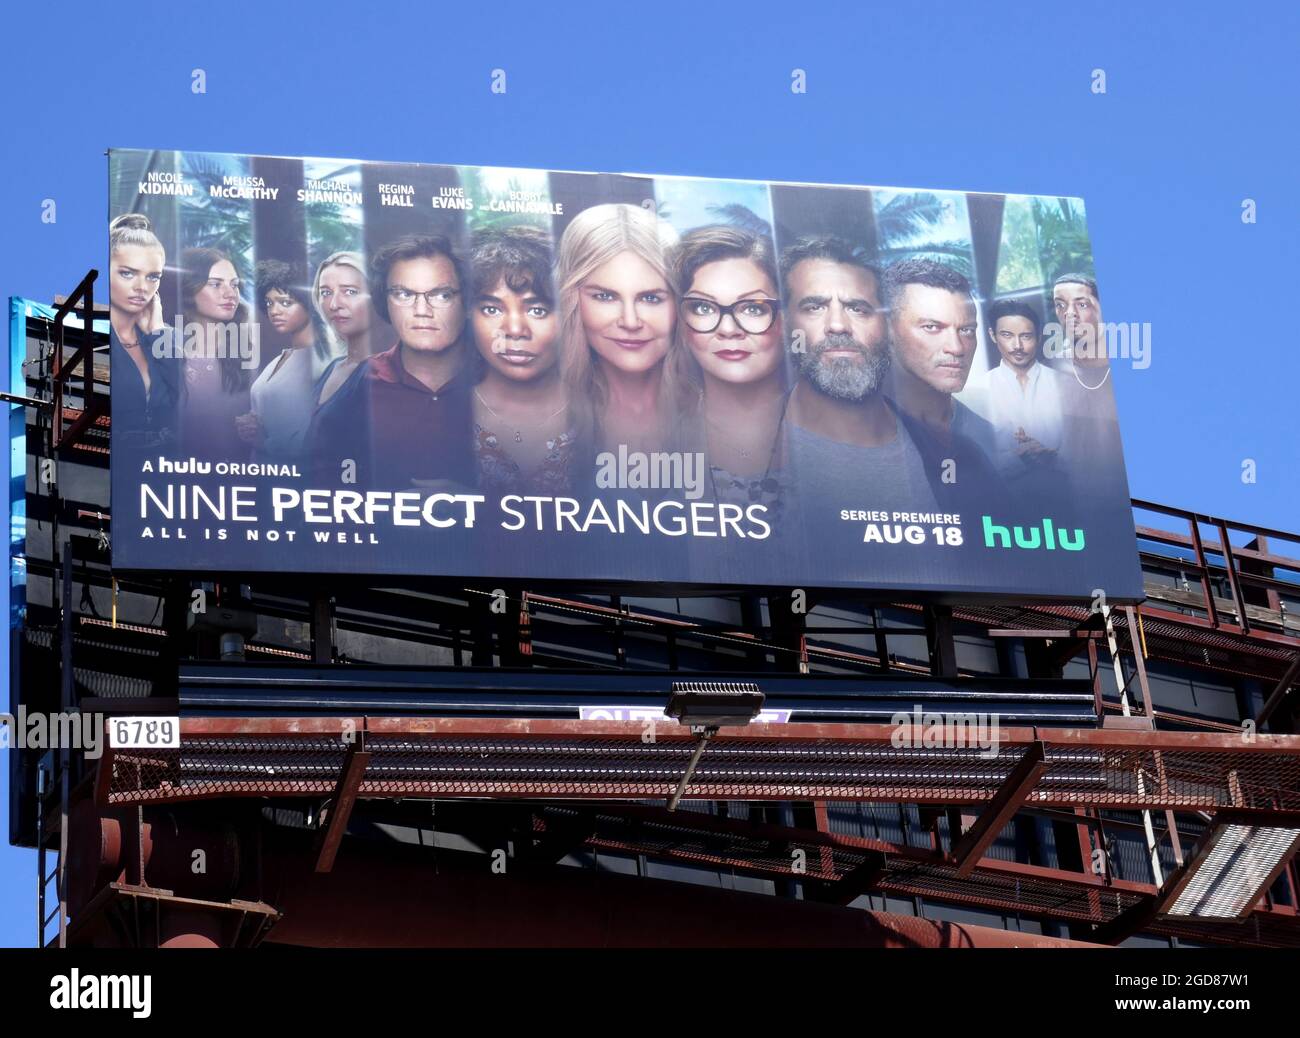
(905, 224)
(1063, 244)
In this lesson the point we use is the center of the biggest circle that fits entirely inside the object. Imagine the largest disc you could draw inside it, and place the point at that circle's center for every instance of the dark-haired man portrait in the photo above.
(405, 418)
(933, 334)
(933, 331)
(1078, 311)
(1025, 397)
(844, 440)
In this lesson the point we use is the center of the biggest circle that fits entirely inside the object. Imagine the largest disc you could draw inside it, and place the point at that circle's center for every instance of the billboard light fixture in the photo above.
(705, 706)
(714, 704)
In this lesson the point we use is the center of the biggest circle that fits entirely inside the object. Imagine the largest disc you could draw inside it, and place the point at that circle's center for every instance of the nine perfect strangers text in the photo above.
(325, 366)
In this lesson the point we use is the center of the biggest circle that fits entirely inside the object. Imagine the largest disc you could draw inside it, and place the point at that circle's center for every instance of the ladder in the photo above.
(47, 840)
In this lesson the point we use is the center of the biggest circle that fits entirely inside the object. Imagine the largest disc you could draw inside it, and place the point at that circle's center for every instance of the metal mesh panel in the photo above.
(228, 766)
(612, 766)
(1169, 778)
(793, 858)
(1056, 897)
(1259, 930)
(622, 766)
(985, 888)
(762, 855)
(1017, 894)
(735, 769)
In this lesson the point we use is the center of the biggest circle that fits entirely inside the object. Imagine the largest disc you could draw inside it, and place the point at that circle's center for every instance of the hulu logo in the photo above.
(1048, 536)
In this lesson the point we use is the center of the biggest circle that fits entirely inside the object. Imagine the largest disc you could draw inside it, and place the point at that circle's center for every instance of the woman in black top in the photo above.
(145, 375)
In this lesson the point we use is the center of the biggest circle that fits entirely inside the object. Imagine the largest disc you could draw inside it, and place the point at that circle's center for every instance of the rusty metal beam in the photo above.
(95, 409)
(1192, 624)
(345, 797)
(559, 841)
(95, 403)
(968, 850)
(988, 887)
(671, 731)
(1230, 564)
(1129, 922)
(115, 911)
(104, 773)
(1075, 633)
(322, 627)
(530, 758)
(856, 882)
(1138, 648)
(1280, 692)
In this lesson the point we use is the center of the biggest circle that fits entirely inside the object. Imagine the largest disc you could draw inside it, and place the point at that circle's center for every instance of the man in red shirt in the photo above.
(404, 418)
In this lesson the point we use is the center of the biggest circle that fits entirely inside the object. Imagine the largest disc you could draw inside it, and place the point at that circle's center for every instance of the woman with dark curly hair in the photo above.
(522, 440)
(281, 396)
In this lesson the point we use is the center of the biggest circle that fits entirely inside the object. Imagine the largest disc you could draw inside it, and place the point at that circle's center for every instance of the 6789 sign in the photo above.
(144, 733)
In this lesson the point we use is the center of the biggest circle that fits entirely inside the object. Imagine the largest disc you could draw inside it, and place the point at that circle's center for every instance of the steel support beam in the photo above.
(1280, 692)
(345, 797)
(968, 850)
(853, 884)
(322, 627)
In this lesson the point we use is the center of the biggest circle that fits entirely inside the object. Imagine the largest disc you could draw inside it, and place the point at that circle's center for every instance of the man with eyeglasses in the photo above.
(405, 418)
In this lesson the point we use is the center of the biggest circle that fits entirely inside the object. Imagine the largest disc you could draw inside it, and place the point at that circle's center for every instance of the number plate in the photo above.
(144, 733)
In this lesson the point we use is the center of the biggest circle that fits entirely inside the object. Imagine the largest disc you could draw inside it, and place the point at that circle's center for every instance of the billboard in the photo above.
(335, 366)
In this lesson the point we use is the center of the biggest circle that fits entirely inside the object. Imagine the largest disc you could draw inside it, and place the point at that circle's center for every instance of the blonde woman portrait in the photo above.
(147, 383)
(618, 312)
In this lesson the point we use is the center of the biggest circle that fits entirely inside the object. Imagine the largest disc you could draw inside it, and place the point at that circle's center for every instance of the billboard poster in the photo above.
(332, 366)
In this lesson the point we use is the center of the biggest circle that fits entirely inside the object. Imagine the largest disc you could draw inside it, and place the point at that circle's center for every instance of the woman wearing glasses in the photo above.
(732, 355)
(220, 351)
(281, 396)
(404, 419)
(617, 314)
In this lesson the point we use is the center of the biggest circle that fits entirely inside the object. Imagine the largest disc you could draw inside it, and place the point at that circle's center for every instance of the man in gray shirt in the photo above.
(846, 446)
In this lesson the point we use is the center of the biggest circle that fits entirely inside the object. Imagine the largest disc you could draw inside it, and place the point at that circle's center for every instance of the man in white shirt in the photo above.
(1024, 396)
(1093, 454)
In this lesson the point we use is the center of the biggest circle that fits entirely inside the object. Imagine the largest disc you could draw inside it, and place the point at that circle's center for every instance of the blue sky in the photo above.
(1198, 115)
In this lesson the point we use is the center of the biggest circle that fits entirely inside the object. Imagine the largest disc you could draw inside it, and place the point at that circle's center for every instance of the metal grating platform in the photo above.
(603, 760)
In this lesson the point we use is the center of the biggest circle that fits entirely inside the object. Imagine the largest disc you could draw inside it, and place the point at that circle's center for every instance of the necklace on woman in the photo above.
(771, 454)
(744, 452)
(747, 452)
(519, 436)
